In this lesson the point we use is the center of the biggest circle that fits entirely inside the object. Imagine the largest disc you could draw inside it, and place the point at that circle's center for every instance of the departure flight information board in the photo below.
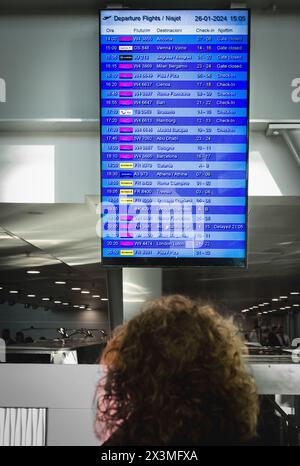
(174, 136)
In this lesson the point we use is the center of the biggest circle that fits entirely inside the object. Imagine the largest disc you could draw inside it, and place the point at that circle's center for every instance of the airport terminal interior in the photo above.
(61, 293)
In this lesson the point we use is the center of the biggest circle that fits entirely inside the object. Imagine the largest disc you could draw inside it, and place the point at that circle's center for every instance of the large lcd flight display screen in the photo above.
(174, 136)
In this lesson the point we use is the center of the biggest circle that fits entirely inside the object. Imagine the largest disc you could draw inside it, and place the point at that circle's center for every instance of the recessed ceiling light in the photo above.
(104, 299)
(1, 287)
(75, 289)
(65, 304)
(81, 307)
(266, 304)
(288, 307)
(255, 307)
(275, 299)
(265, 312)
(282, 308)
(32, 272)
(14, 292)
(85, 292)
(283, 297)
(57, 302)
(96, 296)
(75, 305)
(31, 296)
(59, 283)
(294, 292)
(244, 310)
(6, 236)
(261, 305)
(259, 313)
(296, 305)
(45, 299)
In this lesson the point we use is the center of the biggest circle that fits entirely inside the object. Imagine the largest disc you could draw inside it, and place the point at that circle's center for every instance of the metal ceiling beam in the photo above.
(284, 129)
(287, 138)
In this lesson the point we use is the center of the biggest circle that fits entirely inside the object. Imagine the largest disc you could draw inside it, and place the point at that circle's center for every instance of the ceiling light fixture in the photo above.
(104, 299)
(31, 296)
(294, 292)
(14, 292)
(59, 283)
(45, 299)
(75, 289)
(57, 302)
(85, 292)
(33, 272)
(96, 296)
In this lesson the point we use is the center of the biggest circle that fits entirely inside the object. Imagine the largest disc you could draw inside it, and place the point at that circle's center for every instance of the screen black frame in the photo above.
(174, 261)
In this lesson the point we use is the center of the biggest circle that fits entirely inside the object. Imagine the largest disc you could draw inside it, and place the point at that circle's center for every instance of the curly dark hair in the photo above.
(175, 375)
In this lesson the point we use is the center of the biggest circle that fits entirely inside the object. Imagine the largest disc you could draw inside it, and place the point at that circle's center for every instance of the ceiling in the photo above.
(60, 242)
(71, 5)
(273, 262)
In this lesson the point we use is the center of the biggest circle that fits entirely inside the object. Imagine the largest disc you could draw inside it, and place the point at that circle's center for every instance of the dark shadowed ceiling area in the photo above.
(273, 263)
(60, 241)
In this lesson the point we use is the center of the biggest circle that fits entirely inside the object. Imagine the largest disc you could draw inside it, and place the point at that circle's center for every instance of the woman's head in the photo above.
(176, 369)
